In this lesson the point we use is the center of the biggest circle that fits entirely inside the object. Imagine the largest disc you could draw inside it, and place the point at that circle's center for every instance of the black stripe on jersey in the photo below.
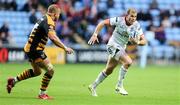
(31, 37)
(43, 41)
(46, 37)
(29, 42)
(41, 46)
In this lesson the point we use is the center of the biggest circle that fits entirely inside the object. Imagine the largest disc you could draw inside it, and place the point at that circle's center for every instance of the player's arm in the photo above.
(94, 37)
(142, 40)
(100, 26)
(53, 37)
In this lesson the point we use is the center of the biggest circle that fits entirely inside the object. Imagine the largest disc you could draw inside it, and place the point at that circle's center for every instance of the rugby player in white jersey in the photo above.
(126, 29)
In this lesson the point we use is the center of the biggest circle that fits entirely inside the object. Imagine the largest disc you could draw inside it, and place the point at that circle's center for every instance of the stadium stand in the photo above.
(81, 17)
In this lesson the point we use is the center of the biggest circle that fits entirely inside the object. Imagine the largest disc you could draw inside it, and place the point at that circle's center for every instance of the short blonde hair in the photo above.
(131, 11)
(53, 8)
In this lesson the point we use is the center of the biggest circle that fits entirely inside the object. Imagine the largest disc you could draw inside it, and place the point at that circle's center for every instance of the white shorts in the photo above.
(115, 52)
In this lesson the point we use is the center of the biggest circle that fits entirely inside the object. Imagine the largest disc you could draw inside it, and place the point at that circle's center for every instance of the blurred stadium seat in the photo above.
(20, 26)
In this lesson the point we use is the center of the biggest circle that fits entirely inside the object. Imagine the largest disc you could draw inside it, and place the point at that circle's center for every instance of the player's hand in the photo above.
(134, 40)
(93, 39)
(69, 50)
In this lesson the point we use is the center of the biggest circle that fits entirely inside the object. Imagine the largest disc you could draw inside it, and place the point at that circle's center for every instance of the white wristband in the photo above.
(95, 34)
(138, 42)
(65, 47)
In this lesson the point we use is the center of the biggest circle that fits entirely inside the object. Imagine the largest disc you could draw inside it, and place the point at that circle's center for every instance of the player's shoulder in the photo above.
(117, 18)
(136, 24)
(49, 20)
(121, 19)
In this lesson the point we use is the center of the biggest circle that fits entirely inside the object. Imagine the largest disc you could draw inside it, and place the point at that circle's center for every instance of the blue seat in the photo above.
(168, 52)
(20, 3)
(155, 13)
(169, 37)
(177, 37)
(118, 6)
(158, 52)
(113, 12)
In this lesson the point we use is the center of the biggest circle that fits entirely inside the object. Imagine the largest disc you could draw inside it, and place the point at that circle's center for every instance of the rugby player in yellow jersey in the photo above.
(43, 29)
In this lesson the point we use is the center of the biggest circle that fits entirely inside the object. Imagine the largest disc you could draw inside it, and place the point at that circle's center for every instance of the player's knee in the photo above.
(109, 70)
(128, 64)
(49, 67)
(37, 72)
(51, 72)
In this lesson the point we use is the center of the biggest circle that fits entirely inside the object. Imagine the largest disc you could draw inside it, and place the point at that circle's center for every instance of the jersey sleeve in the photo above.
(50, 26)
(114, 21)
(51, 30)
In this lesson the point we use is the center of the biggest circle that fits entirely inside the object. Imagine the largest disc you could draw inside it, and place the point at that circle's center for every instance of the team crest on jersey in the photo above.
(126, 33)
(132, 29)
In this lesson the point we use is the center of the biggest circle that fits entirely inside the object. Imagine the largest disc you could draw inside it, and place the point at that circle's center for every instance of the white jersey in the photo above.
(122, 32)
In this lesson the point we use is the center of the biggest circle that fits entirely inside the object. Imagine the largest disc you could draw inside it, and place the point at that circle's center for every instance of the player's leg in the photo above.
(126, 63)
(36, 71)
(48, 67)
(29, 73)
(111, 64)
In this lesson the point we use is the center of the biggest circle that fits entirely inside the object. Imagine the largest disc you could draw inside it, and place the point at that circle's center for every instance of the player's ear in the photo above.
(54, 14)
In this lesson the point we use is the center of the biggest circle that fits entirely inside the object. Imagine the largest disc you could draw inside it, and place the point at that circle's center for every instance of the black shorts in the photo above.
(33, 55)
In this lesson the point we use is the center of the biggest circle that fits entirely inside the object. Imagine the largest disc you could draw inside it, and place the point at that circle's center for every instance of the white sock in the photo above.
(15, 79)
(122, 73)
(99, 79)
(42, 92)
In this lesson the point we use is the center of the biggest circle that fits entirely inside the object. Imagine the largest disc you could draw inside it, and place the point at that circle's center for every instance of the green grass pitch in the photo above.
(155, 85)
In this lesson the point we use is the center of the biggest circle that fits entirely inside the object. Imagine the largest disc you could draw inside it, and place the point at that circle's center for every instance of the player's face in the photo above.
(57, 15)
(131, 18)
